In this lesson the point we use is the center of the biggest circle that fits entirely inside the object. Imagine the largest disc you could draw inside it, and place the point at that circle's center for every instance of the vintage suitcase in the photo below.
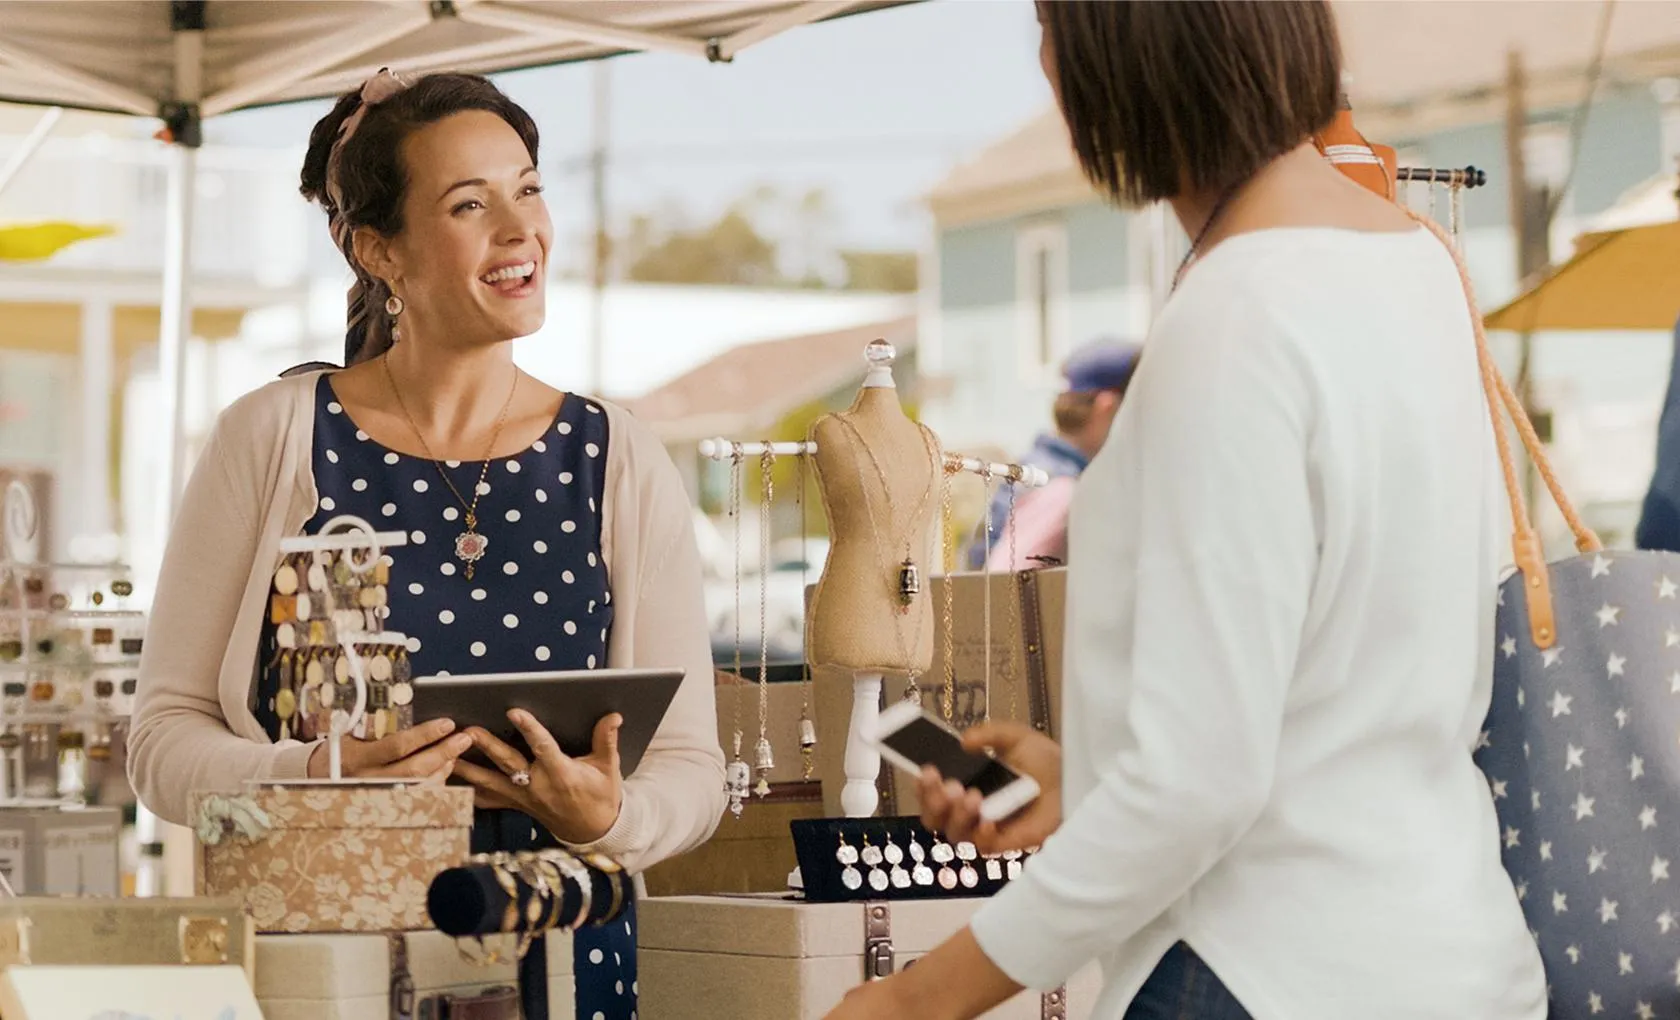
(60, 851)
(125, 932)
(774, 958)
(1025, 682)
(752, 853)
(348, 977)
(331, 858)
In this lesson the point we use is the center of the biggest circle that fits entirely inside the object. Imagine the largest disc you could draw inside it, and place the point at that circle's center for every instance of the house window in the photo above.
(1041, 294)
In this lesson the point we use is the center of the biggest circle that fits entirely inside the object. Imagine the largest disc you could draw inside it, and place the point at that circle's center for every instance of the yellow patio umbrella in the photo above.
(1617, 279)
(33, 242)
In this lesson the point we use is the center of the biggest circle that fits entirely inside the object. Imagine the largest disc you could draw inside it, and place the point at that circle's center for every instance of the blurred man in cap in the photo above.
(1096, 379)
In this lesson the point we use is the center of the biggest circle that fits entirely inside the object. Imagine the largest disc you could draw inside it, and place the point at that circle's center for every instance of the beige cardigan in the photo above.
(253, 485)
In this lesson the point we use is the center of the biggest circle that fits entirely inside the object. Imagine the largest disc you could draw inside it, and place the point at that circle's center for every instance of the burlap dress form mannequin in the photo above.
(880, 474)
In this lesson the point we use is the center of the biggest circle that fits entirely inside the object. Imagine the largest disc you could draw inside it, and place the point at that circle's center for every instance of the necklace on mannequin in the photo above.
(909, 571)
(906, 574)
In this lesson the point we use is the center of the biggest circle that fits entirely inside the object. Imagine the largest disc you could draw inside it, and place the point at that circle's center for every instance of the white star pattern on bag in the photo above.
(1590, 816)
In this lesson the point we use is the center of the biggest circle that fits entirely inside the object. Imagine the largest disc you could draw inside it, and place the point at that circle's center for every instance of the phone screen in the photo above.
(927, 743)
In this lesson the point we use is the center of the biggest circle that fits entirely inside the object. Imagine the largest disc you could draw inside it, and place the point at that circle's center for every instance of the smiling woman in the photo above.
(563, 534)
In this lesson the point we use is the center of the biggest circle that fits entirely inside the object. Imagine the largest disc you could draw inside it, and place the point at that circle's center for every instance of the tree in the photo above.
(728, 251)
(891, 271)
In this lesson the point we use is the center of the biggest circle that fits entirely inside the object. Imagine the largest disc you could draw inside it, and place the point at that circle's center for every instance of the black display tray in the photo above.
(816, 843)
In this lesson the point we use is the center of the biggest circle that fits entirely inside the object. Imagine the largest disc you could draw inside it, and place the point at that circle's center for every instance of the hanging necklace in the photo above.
(807, 726)
(908, 575)
(469, 544)
(764, 758)
(1201, 235)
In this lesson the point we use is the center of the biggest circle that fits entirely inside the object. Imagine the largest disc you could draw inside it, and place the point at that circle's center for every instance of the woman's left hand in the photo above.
(577, 799)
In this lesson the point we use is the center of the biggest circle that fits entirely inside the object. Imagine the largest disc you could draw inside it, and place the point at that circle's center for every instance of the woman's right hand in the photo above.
(425, 752)
(950, 809)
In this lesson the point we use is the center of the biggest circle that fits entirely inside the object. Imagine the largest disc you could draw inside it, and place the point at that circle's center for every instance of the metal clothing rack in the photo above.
(1469, 177)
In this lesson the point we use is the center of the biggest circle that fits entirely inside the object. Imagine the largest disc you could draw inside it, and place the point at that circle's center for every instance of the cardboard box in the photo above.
(347, 977)
(352, 857)
(60, 851)
(1027, 611)
(772, 958)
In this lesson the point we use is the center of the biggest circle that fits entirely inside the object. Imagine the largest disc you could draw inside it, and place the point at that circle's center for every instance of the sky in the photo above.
(875, 109)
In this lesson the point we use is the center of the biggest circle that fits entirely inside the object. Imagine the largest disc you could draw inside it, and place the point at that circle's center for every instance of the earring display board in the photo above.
(852, 860)
(777, 958)
(70, 644)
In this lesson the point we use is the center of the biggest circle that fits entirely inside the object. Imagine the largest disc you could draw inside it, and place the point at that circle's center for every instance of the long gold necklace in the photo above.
(908, 572)
(469, 544)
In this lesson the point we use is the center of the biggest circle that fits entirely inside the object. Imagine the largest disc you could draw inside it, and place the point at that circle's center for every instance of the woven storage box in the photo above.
(331, 858)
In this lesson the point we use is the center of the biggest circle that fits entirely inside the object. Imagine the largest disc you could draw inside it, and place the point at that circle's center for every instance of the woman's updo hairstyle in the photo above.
(354, 170)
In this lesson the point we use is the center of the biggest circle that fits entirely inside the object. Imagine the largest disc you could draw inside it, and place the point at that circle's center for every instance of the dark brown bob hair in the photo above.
(1159, 95)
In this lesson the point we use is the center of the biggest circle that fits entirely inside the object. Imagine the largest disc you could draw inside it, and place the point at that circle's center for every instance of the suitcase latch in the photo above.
(204, 940)
(878, 959)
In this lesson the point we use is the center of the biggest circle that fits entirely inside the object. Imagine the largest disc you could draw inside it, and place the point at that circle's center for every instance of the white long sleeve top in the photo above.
(1279, 655)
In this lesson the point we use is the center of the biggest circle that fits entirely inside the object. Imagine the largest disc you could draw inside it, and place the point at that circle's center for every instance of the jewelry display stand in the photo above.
(69, 652)
(901, 594)
(296, 850)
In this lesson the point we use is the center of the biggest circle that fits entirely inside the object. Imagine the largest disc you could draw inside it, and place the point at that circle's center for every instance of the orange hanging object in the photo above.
(1373, 166)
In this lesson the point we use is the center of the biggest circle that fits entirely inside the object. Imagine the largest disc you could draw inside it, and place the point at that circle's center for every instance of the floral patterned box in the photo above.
(331, 858)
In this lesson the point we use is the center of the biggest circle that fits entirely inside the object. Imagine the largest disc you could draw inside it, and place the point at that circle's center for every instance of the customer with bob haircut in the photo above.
(1281, 591)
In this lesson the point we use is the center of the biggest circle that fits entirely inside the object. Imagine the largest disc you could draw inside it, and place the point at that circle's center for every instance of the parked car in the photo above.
(777, 594)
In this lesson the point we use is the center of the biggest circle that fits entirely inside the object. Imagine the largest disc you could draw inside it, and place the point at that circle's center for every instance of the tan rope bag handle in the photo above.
(1526, 549)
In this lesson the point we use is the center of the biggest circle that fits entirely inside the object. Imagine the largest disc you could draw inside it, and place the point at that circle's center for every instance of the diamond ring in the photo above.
(521, 778)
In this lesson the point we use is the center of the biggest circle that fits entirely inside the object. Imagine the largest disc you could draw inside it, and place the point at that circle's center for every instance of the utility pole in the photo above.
(600, 245)
(1530, 224)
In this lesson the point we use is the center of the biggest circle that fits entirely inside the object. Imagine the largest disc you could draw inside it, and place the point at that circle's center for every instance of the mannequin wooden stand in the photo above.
(880, 475)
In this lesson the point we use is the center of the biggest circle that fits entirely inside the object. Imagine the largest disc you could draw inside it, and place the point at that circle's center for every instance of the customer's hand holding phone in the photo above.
(950, 809)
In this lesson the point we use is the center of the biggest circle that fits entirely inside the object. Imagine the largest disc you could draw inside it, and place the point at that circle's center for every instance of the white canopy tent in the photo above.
(184, 60)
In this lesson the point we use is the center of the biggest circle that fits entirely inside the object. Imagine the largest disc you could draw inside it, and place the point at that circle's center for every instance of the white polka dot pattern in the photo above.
(538, 597)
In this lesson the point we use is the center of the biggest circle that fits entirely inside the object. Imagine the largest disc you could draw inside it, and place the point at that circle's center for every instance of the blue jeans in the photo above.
(1182, 987)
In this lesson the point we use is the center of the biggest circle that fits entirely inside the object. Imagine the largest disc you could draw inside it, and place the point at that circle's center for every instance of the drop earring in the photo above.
(393, 308)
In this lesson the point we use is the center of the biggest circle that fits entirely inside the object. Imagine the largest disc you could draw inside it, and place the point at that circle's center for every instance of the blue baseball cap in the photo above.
(1102, 364)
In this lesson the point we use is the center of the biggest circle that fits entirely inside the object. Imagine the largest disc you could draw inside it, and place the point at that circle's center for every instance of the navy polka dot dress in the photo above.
(538, 600)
